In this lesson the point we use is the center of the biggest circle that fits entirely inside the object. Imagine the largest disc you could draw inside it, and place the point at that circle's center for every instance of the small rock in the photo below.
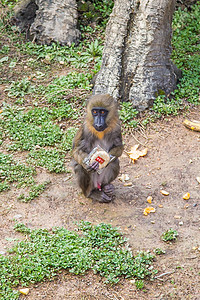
(186, 206)
(195, 204)
(17, 217)
(181, 223)
(2, 252)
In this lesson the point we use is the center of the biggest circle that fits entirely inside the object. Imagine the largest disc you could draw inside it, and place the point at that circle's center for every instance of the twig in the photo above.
(137, 140)
(163, 274)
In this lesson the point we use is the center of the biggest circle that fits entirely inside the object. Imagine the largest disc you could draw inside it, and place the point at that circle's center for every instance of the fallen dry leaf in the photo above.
(24, 291)
(148, 210)
(134, 154)
(149, 199)
(177, 217)
(160, 205)
(128, 184)
(124, 177)
(165, 193)
(186, 196)
(193, 125)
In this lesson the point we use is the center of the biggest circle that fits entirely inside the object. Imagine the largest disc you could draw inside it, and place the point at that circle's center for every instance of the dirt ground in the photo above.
(172, 164)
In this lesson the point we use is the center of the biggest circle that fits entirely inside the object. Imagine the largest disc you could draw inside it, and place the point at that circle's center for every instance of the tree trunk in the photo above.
(136, 62)
(47, 21)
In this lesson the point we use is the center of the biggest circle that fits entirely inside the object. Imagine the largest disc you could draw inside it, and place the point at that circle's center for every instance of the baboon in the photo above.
(102, 128)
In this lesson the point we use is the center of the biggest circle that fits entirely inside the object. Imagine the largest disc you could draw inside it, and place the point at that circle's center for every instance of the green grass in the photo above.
(42, 255)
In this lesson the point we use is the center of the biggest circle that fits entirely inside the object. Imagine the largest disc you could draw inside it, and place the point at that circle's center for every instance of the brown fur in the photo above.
(87, 138)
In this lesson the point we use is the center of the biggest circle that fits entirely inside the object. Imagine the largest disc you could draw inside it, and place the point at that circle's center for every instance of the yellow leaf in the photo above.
(128, 184)
(149, 199)
(24, 291)
(134, 154)
(186, 196)
(165, 193)
(124, 177)
(149, 209)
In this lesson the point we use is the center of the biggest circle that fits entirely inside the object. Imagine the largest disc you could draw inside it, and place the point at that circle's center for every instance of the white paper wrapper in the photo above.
(100, 155)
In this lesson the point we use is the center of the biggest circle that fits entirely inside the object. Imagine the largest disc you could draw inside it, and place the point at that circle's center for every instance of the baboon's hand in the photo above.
(93, 167)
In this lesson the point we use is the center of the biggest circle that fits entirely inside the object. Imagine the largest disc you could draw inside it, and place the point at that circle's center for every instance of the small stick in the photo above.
(163, 274)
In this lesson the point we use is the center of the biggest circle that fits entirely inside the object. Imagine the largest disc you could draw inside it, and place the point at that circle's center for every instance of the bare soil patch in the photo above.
(172, 164)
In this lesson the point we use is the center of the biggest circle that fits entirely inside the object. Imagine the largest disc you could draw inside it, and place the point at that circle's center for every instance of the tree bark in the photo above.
(136, 62)
(47, 21)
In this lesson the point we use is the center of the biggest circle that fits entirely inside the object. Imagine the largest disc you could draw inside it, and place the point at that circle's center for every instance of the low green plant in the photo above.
(13, 171)
(35, 191)
(9, 3)
(20, 88)
(164, 106)
(62, 84)
(52, 159)
(127, 114)
(80, 56)
(66, 143)
(94, 49)
(27, 129)
(4, 185)
(185, 41)
(159, 251)
(139, 284)
(42, 254)
(169, 235)
(4, 59)
(94, 11)
(5, 49)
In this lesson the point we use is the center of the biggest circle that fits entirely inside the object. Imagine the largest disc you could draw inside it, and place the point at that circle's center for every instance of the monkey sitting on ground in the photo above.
(102, 128)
